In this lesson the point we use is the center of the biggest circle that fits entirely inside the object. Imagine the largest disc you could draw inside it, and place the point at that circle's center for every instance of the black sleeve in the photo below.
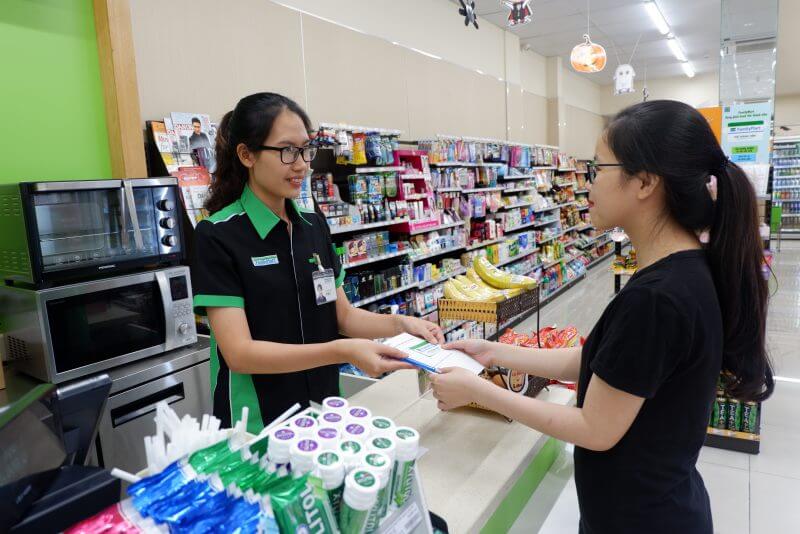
(335, 262)
(215, 279)
(642, 343)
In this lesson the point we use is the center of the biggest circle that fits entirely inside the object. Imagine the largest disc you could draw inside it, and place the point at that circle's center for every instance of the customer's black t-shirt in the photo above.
(660, 339)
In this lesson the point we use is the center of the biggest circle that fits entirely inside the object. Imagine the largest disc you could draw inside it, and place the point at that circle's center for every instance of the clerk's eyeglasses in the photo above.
(289, 154)
(594, 167)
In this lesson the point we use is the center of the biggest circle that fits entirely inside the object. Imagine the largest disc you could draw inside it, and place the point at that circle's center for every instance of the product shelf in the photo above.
(486, 243)
(370, 300)
(358, 227)
(518, 205)
(481, 190)
(581, 191)
(382, 257)
(466, 164)
(562, 288)
(583, 208)
(455, 326)
(568, 169)
(370, 170)
(518, 176)
(413, 177)
(435, 253)
(518, 257)
(599, 260)
(430, 283)
(434, 228)
(447, 190)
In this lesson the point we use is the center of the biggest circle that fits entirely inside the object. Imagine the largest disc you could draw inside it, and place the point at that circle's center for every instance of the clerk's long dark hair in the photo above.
(674, 141)
(250, 122)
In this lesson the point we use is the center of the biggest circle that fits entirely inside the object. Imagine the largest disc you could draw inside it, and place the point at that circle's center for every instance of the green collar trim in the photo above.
(263, 218)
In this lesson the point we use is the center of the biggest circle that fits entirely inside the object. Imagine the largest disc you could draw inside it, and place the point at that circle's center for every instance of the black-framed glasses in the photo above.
(289, 154)
(593, 167)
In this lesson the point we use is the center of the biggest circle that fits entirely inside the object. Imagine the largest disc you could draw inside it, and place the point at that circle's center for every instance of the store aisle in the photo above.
(749, 494)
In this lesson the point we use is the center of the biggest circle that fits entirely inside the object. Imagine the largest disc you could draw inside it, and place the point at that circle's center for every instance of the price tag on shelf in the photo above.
(406, 522)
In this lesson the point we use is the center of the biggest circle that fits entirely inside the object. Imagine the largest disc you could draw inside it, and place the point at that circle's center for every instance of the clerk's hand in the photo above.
(430, 332)
(375, 359)
(479, 349)
(454, 387)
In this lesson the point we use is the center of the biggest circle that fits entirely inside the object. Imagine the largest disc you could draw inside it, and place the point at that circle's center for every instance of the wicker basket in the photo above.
(489, 312)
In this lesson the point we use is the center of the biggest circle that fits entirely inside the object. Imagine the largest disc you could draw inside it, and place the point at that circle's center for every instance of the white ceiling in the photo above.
(558, 25)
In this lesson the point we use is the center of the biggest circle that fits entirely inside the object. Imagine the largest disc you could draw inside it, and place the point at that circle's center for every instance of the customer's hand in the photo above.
(373, 358)
(480, 350)
(430, 332)
(454, 387)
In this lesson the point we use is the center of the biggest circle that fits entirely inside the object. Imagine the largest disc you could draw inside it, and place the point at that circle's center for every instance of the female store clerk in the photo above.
(647, 375)
(266, 274)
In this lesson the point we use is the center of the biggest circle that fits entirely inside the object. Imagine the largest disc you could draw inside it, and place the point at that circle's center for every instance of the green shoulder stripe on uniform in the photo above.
(241, 392)
(226, 213)
(201, 302)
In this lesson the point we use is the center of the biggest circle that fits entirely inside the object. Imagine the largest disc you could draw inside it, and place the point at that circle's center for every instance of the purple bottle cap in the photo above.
(307, 445)
(358, 412)
(332, 417)
(304, 422)
(355, 428)
(284, 434)
(327, 433)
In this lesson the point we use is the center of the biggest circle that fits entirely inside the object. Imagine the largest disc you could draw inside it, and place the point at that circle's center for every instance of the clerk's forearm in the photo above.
(566, 423)
(358, 323)
(266, 357)
(559, 364)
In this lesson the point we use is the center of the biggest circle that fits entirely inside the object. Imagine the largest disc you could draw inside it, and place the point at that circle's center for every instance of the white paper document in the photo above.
(419, 351)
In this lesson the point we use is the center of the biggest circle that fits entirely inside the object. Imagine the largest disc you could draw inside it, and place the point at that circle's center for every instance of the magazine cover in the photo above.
(195, 135)
(164, 144)
(194, 182)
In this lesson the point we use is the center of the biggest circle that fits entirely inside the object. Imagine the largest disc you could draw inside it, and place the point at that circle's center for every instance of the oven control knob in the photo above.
(167, 222)
(183, 328)
(166, 205)
(169, 240)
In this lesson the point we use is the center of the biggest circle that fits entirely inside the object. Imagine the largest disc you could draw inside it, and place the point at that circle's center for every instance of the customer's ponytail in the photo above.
(674, 141)
(735, 255)
(249, 123)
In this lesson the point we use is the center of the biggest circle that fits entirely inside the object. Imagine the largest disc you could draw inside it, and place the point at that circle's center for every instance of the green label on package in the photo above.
(301, 505)
(403, 482)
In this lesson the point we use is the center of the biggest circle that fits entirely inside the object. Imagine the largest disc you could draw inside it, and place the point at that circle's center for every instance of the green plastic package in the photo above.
(301, 505)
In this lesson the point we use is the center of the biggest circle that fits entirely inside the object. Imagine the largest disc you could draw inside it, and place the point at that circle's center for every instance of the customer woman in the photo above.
(267, 276)
(648, 372)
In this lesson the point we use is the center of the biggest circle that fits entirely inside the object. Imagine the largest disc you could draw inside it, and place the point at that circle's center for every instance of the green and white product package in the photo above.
(360, 494)
(381, 426)
(329, 468)
(304, 426)
(335, 405)
(407, 441)
(301, 505)
(302, 457)
(360, 415)
(328, 438)
(356, 431)
(332, 420)
(387, 446)
(382, 466)
(279, 450)
(350, 452)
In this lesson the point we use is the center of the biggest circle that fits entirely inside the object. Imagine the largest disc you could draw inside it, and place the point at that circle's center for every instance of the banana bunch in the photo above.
(462, 288)
(500, 279)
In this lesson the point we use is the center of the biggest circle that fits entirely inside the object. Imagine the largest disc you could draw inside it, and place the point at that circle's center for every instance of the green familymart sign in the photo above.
(746, 130)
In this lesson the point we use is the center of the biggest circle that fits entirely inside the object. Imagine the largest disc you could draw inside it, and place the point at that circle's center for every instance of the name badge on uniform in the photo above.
(324, 283)
(263, 261)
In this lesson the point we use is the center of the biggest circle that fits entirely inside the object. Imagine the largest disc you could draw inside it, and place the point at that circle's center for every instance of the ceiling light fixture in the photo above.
(656, 16)
(688, 69)
(676, 49)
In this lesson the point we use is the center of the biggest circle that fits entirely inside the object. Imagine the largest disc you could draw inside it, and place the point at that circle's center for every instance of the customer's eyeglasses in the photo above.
(289, 154)
(594, 167)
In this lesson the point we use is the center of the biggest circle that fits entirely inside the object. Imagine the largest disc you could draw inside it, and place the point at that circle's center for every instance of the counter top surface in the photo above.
(473, 457)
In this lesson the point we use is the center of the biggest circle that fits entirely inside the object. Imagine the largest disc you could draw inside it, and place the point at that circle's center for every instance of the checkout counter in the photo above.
(479, 470)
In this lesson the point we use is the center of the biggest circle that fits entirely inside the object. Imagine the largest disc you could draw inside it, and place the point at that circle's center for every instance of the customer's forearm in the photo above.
(558, 364)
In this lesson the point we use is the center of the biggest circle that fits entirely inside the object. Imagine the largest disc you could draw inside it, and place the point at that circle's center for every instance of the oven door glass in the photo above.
(97, 326)
(93, 228)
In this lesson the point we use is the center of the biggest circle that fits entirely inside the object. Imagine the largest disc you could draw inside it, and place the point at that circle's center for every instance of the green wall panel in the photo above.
(51, 93)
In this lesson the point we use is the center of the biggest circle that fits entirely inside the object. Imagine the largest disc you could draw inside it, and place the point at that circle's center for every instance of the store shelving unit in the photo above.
(783, 208)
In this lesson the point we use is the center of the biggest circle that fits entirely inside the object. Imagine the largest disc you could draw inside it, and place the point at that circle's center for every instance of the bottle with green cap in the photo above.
(387, 446)
(381, 426)
(382, 466)
(350, 452)
(329, 468)
(360, 494)
(407, 442)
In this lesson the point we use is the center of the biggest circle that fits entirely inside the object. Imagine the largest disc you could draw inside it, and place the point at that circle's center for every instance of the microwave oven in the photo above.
(60, 232)
(66, 332)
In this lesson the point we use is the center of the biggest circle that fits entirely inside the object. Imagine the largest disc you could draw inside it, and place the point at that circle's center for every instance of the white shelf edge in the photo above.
(435, 228)
(435, 253)
(368, 170)
(373, 260)
(383, 295)
(356, 227)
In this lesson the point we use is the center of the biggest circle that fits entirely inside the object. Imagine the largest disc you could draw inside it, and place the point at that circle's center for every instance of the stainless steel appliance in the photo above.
(180, 377)
(66, 332)
(55, 232)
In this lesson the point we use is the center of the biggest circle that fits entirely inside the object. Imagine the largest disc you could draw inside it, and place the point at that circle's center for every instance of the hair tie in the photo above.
(711, 185)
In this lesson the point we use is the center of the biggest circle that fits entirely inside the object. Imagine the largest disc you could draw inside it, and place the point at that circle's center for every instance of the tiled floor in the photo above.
(749, 494)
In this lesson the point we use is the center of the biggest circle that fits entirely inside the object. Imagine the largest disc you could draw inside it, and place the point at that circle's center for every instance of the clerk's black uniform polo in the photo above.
(246, 258)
